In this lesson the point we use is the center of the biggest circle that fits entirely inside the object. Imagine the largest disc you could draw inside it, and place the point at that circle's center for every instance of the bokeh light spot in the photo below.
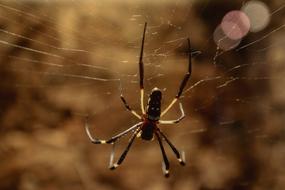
(235, 25)
(258, 14)
(223, 41)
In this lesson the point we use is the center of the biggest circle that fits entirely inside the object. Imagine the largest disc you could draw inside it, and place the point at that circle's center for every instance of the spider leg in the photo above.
(112, 139)
(112, 155)
(176, 120)
(141, 70)
(184, 81)
(180, 158)
(126, 104)
(129, 108)
(165, 163)
(124, 154)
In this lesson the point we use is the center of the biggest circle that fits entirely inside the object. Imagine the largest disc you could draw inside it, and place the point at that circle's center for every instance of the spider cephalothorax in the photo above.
(149, 119)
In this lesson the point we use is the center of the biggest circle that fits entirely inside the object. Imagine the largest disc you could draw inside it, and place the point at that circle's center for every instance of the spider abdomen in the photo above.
(154, 104)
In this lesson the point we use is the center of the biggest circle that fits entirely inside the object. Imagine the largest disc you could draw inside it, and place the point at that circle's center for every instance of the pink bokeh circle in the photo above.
(235, 24)
(223, 41)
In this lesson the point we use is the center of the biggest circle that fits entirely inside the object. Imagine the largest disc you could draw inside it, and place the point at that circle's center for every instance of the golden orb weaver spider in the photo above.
(150, 118)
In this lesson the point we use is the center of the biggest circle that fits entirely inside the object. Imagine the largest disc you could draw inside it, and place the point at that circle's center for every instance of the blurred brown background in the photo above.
(58, 62)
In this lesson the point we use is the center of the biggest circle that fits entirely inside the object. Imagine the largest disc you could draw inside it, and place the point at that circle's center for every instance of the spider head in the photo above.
(154, 104)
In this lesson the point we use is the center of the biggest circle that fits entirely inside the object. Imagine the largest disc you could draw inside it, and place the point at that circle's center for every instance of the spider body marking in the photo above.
(152, 116)
(150, 119)
(154, 105)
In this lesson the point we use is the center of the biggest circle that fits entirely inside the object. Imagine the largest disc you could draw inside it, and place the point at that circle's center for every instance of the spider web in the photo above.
(64, 60)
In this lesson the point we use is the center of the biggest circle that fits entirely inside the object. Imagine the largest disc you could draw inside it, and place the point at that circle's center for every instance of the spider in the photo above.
(150, 118)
